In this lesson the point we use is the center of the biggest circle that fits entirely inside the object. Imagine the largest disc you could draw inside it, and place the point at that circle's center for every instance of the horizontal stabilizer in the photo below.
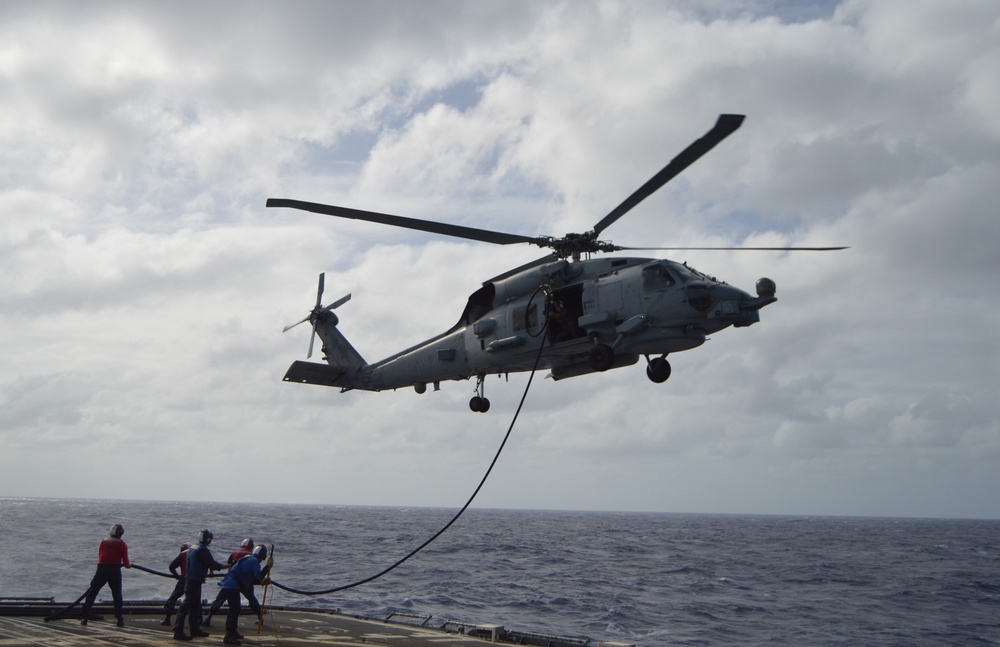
(320, 374)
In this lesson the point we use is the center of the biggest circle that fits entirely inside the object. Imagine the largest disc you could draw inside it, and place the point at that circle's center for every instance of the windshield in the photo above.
(686, 273)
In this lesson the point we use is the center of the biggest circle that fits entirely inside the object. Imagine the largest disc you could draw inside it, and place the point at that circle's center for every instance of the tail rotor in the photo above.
(320, 312)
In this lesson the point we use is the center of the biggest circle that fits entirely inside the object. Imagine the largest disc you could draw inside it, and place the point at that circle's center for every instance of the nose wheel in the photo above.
(479, 403)
(658, 369)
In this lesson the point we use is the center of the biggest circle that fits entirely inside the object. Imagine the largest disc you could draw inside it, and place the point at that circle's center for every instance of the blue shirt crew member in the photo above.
(245, 549)
(240, 580)
(199, 563)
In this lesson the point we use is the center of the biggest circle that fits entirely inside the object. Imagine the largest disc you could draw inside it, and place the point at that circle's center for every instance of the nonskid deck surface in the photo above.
(283, 627)
(25, 625)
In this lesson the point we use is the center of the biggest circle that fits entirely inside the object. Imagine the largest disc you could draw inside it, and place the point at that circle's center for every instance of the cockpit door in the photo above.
(660, 288)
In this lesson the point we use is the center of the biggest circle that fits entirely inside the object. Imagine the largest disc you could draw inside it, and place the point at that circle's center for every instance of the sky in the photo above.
(145, 286)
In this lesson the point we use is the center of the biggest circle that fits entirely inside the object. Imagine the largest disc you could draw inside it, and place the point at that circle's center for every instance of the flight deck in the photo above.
(23, 622)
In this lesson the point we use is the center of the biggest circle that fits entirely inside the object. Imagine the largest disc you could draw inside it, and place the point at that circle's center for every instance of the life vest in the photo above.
(113, 551)
(239, 553)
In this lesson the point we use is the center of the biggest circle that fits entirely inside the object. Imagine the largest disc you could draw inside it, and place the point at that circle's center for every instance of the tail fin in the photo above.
(345, 363)
(339, 351)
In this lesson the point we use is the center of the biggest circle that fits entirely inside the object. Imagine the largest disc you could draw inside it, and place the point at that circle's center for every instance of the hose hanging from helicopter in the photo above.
(496, 457)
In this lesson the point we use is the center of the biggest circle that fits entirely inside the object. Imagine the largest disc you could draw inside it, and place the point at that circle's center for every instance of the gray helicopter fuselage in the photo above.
(570, 317)
(634, 306)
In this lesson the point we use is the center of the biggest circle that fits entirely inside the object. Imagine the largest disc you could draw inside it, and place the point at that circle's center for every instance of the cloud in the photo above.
(145, 284)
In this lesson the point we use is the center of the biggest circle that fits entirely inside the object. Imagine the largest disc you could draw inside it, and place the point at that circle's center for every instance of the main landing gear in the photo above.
(658, 369)
(479, 403)
(602, 358)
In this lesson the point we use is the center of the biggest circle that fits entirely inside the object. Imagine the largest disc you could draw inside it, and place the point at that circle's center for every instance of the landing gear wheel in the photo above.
(601, 357)
(479, 404)
(658, 370)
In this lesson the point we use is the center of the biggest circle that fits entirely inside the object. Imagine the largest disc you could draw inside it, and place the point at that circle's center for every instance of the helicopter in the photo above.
(568, 312)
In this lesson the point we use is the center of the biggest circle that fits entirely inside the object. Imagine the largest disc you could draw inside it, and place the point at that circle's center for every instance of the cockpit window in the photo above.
(688, 273)
(656, 277)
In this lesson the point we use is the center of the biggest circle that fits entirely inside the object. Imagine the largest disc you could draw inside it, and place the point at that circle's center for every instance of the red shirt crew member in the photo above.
(111, 556)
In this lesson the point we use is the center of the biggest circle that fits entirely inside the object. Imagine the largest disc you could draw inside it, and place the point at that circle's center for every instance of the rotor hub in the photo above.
(576, 244)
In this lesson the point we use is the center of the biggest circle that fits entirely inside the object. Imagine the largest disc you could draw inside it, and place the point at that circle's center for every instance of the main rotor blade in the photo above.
(471, 233)
(745, 249)
(725, 126)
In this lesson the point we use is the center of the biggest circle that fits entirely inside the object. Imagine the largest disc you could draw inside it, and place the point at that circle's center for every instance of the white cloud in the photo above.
(145, 285)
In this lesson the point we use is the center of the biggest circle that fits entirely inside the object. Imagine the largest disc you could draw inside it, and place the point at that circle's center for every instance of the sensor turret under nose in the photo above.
(766, 287)
(765, 295)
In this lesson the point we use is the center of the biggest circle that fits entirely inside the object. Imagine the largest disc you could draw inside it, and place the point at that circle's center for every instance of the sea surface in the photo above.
(648, 579)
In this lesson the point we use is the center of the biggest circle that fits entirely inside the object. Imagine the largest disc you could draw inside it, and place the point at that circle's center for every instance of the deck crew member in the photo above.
(246, 547)
(112, 554)
(199, 563)
(179, 562)
(241, 579)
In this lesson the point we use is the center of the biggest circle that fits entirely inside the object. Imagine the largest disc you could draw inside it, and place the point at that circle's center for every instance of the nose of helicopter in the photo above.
(738, 307)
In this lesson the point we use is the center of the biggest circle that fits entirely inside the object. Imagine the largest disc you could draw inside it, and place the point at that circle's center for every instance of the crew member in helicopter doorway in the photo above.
(112, 554)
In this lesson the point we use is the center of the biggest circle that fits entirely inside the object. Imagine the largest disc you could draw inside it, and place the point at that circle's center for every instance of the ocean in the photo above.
(648, 579)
